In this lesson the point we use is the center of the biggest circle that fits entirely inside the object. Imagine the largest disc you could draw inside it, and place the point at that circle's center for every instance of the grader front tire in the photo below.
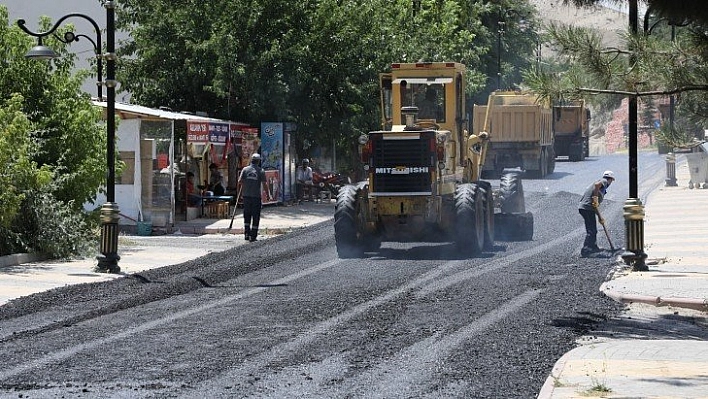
(488, 206)
(346, 229)
(469, 219)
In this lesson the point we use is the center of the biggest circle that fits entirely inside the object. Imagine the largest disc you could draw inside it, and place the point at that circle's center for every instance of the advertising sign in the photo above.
(197, 132)
(218, 133)
(272, 187)
(273, 151)
(249, 144)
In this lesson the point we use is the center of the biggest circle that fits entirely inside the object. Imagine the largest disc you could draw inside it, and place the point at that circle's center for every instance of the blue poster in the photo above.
(272, 150)
(218, 133)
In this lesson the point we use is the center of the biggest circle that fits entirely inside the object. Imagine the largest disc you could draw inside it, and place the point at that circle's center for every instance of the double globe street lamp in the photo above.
(108, 259)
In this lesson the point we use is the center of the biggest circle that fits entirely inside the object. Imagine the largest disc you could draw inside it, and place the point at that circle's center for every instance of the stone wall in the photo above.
(617, 129)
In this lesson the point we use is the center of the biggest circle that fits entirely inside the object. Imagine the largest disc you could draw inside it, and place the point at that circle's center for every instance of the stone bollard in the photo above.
(634, 234)
(671, 170)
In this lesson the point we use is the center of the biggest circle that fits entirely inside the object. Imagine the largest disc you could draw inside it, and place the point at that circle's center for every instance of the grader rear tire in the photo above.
(469, 219)
(512, 193)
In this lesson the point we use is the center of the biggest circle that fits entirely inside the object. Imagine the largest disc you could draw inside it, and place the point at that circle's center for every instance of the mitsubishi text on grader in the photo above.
(423, 172)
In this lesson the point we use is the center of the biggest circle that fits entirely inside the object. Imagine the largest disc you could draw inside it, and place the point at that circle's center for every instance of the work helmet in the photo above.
(305, 161)
(609, 175)
(256, 157)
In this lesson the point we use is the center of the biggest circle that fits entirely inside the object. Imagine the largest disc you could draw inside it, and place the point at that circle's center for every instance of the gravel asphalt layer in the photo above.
(287, 318)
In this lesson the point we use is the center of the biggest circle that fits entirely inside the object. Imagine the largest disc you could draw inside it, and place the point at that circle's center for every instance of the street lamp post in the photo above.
(108, 259)
(500, 30)
(633, 208)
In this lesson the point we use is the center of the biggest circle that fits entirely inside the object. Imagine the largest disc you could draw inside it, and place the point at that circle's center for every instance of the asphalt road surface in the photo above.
(288, 319)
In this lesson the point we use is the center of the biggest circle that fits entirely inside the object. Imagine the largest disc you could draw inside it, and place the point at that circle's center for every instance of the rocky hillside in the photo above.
(606, 21)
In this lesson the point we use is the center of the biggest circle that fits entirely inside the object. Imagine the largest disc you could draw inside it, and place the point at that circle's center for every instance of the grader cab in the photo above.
(423, 172)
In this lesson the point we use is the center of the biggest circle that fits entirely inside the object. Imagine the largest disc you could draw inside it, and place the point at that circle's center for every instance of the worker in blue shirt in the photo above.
(252, 179)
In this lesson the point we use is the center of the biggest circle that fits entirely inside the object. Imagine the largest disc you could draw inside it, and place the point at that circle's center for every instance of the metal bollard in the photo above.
(671, 170)
(634, 234)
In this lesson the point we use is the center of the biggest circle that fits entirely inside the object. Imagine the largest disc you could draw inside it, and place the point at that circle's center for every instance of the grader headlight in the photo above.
(366, 149)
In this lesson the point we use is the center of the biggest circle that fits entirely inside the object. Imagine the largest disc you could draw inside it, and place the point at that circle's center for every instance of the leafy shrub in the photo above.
(49, 226)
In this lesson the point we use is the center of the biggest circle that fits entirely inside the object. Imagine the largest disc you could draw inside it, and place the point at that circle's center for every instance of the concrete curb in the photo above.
(18, 259)
(224, 230)
(550, 383)
(687, 303)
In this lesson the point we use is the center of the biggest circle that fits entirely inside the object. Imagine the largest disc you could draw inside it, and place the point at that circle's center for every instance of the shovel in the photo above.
(602, 222)
(233, 215)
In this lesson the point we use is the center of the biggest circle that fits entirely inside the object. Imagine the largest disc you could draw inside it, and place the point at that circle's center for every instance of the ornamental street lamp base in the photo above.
(108, 264)
(634, 234)
(636, 260)
(108, 260)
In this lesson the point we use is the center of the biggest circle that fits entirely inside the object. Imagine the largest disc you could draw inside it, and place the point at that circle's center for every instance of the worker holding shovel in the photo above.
(589, 209)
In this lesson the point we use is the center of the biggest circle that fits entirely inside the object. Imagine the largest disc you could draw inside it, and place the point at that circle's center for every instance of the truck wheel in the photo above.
(469, 219)
(551, 160)
(544, 163)
(372, 243)
(512, 193)
(488, 196)
(575, 152)
(346, 230)
(541, 164)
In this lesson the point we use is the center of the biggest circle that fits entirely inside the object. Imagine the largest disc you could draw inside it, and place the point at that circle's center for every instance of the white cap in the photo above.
(609, 175)
(256, 157)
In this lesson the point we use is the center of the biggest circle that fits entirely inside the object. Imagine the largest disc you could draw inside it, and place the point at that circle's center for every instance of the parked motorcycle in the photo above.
(330, 181)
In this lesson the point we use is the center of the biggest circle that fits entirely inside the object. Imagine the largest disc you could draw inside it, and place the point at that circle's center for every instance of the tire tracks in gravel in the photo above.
(52, 310)
(424, 284)
(427, 283)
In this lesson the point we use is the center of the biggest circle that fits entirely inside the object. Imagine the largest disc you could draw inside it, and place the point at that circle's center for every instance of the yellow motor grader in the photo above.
(423, 172)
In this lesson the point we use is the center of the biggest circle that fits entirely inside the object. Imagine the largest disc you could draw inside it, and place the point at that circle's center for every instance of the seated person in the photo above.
(193, 197)
(216, 181)
(303, 176)
(429, 107)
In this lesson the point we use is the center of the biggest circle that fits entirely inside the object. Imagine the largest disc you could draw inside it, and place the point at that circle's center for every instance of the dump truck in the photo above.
(423, 172)
(520, 132)
(571, 131)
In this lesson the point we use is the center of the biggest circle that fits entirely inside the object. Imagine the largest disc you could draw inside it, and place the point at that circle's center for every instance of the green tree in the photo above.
(20, 177)
(55, 147)
(312, 62)
(66, 131)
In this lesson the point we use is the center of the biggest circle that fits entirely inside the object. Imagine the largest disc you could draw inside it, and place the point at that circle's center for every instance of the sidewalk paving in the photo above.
(676, 287)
